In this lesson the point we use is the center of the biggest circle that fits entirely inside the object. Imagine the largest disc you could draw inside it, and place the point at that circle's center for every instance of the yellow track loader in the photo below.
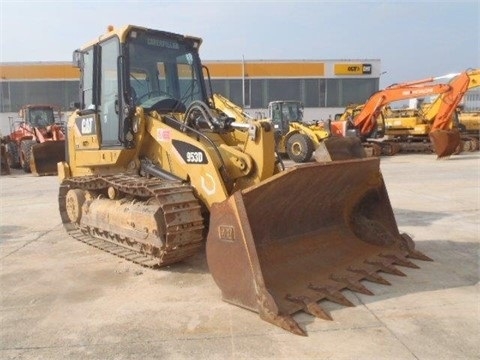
(155, 172)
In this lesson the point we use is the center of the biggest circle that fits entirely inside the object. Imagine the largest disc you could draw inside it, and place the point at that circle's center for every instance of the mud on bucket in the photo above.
(302, 236)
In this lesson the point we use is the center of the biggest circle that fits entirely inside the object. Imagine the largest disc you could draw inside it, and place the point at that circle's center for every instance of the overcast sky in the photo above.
(413, 39)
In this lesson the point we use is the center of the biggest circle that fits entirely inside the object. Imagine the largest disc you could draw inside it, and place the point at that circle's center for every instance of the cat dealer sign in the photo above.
(352, 69)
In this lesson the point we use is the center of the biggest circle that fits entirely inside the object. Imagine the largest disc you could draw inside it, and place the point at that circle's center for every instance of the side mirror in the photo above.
(77, 59)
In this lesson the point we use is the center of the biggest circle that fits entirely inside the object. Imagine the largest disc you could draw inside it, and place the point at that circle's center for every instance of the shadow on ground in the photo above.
(407, 217)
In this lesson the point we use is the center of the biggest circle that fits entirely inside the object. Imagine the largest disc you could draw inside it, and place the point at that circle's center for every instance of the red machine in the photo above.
(36, 141)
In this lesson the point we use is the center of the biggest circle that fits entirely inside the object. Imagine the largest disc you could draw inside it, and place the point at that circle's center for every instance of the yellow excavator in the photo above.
(468, 123)
(155, 172)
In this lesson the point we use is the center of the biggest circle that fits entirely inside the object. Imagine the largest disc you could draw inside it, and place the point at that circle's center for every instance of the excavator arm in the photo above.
(442, 110)
(366, 120)
(445, 140)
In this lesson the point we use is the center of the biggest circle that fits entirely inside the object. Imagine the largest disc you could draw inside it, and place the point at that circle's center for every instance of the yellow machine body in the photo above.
(148, 178)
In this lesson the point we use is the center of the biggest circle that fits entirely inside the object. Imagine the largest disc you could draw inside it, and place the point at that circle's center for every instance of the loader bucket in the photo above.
(445, 142)
(304, 235)
(45, 156)
(336, 148)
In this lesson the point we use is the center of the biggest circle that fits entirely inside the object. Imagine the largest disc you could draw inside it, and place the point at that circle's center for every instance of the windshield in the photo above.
(41, 117)
(292, 112)
(163, 67)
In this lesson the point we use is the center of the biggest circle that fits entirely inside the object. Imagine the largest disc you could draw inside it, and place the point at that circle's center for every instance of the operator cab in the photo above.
(40, 117)
(156, 70)
(282, 113)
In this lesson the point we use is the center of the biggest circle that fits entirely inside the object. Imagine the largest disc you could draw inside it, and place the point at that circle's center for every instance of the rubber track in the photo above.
(179, 244)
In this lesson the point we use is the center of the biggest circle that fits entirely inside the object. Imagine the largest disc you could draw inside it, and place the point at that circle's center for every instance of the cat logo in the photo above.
(86, 125)
(366, 69)
(352, 69)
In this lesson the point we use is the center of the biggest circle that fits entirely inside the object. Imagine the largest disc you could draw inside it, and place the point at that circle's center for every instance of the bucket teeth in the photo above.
(418, 255)
(310, 306)
(402, 261)
(332, 295)
(286, 322)
(410, 247)
(372, 277)
(386, 268)
(352, 285)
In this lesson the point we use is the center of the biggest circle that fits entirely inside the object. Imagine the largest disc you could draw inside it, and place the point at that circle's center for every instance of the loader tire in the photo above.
(26, 154)
(299, 148)
(13, 157)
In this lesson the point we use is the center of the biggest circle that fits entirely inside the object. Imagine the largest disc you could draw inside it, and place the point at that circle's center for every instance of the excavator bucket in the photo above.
(45, 156)
(303, 236)
(445, 142)
(336, 148)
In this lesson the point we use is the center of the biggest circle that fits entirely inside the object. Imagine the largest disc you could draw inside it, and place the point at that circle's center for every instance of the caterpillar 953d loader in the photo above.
(152, 164)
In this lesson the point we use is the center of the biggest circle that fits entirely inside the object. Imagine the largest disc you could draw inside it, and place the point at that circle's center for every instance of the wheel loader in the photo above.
(294, 137)
(155, 172)
(36, 142)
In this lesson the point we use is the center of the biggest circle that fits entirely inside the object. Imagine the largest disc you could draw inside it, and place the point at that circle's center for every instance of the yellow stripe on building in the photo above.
(218, 69)
(39, 72)
(265, 70)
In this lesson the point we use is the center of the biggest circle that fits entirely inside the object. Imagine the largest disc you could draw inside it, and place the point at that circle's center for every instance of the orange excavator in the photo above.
(443, 137)
(364, 119)
(429, 127)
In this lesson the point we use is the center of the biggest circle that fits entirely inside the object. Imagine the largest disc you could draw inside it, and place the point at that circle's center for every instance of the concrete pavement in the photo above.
(62, 299)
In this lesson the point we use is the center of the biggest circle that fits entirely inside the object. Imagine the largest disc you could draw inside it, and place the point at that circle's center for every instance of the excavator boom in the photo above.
(366, 120)
(363, 118)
